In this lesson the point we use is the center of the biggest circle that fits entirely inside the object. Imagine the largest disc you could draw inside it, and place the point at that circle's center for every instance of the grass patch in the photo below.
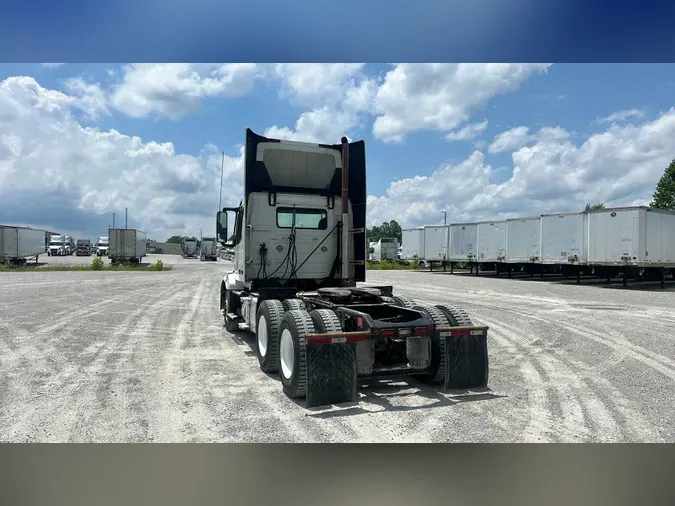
(391, 266)
(157, 266)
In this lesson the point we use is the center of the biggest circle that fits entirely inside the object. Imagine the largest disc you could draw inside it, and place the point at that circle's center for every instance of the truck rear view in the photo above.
(300, 248)
(208, 249)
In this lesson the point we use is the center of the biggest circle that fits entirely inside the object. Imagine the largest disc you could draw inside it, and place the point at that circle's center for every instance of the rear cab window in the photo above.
(315, 219)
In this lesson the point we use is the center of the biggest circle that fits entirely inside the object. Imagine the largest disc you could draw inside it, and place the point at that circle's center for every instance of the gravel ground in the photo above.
(130, 357)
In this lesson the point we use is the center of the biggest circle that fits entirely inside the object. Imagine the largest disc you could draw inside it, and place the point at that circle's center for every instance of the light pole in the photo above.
(222, 166)
(445, 217)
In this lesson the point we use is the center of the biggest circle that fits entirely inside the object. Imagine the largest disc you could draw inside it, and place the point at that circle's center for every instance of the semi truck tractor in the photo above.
(189, 248)
(207, 249)
(83, 247)
(102, 245)
(57, 246)
(299, 240)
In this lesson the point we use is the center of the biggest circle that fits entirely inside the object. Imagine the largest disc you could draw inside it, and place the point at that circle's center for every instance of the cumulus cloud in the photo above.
(441, 96)
(467, 133)
(172, 90)
(515, 138)
(619, 166)
(45, 153)
(337, 96)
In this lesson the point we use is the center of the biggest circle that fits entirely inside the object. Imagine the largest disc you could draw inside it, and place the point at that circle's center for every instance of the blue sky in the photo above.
(568, 156)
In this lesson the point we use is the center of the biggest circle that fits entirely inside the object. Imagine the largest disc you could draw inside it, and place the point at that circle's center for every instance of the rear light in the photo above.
(421, 331)
(388, 332)
(404, 332)
(359, 322)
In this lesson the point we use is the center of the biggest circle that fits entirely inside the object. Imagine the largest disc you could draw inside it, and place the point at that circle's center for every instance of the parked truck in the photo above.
(207, 249)
(189, 248)
(57, 246)
(83, 247)
(102, 245)
(127, 245)
(386, 249)
(17, 244)
(300, 249)
(70, 245)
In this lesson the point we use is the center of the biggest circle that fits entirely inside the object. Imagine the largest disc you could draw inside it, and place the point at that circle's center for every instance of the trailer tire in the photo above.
(403, 301)
(270, 314)
(295, 325)
(325, 320)
(294, 304)
(436, 373)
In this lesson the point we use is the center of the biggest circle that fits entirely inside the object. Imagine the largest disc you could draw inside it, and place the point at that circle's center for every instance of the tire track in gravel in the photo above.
(42, 409)
(615, 341)
(120, 375)
(595, 404)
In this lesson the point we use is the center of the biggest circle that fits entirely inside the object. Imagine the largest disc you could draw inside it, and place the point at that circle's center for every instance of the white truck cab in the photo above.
(102, 246)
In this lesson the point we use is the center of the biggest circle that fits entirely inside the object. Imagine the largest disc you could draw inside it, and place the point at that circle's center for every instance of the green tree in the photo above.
(175, 239)
(664, 196)
(386, 230)
(594, 207)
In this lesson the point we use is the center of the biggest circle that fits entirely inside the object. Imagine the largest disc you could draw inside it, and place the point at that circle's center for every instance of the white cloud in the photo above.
(467, 133)
(337, 99)
(52, 65)
(516, 138)
(172, 90)
(510, 140)
(618, 167)
(441, 96)
(91, 98)
(622, 116)
(61, 172)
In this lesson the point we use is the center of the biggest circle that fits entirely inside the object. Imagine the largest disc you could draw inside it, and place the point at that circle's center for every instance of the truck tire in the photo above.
(295, 325)
(436, 372)
(403, 301)
(270, 314)
(293, 304)
(325, 320)
(456, 316)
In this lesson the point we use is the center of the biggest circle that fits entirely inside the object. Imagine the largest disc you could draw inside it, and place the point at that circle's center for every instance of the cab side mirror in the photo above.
(221, 226)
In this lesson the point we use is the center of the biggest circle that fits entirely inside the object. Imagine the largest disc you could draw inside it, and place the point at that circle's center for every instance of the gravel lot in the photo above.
(129, 357)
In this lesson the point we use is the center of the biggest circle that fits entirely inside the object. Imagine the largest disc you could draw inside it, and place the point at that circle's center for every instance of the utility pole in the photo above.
(125, 218)
(222, 166)
(113, 220)
(445, 217)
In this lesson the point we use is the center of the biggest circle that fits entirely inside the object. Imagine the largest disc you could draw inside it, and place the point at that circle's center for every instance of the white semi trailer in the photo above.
(300, 249)
(126, 245)
(17, 244)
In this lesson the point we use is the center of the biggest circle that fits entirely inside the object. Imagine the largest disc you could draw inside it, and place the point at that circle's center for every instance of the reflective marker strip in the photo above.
(456, 333)
(334, 340)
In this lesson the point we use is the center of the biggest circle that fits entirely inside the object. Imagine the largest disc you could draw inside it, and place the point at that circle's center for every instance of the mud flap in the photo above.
(331, 368)
(466, 357)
